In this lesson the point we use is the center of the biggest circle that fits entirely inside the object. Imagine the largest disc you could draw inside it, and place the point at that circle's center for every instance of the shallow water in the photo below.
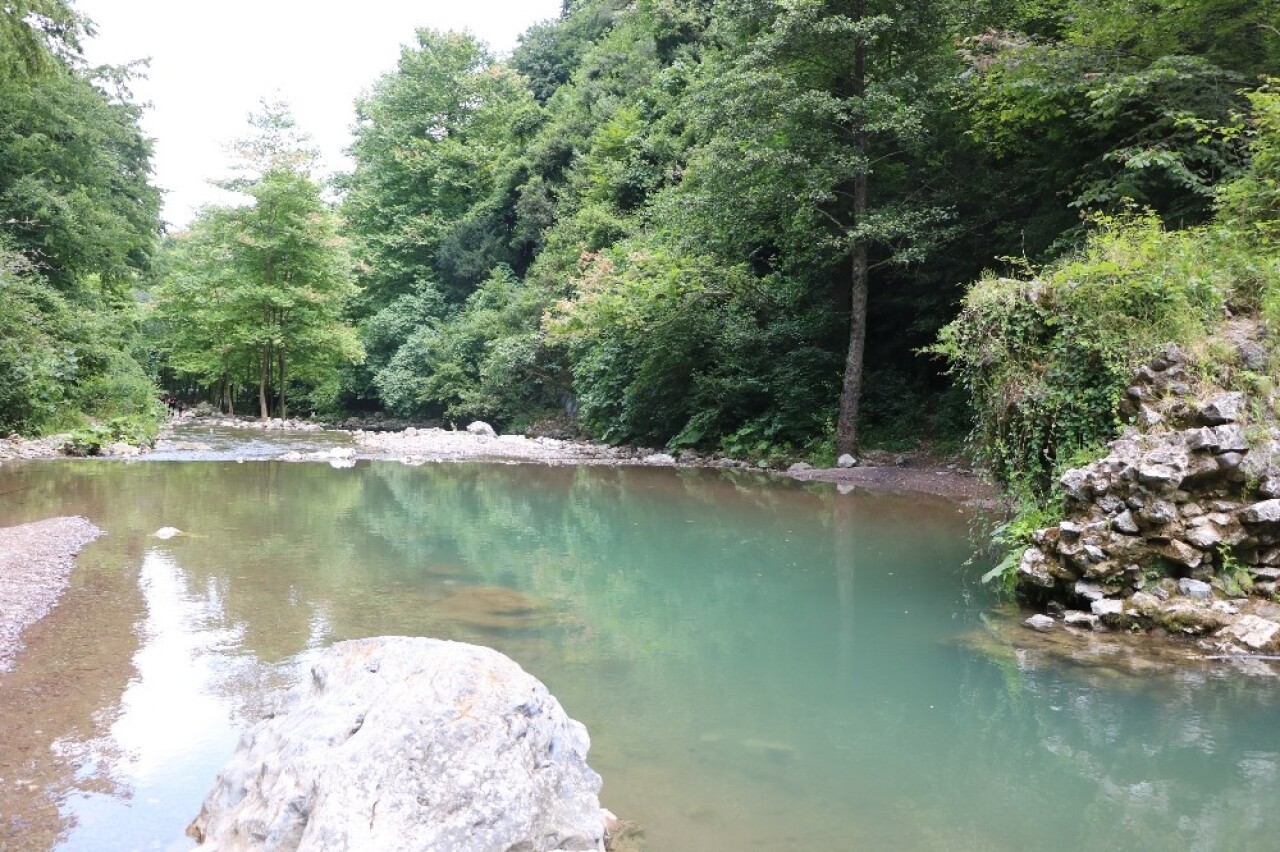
(761, 664)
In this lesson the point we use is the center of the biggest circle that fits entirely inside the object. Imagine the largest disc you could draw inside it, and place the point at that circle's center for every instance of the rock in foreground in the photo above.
(399, 743)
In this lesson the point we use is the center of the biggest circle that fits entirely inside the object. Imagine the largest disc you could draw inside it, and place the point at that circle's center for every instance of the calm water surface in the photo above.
(762, 665)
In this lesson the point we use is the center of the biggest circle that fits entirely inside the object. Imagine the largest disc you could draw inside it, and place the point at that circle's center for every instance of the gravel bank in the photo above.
(14, 447)
(434, 445)
(35, 564)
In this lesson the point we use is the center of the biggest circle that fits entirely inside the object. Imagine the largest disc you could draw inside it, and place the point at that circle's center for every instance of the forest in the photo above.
(747, 227)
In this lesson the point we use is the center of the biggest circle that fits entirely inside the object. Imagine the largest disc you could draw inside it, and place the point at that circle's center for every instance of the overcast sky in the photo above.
(212, 62)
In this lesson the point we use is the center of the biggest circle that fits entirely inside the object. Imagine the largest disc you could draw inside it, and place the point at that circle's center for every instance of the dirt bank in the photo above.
(35, 563)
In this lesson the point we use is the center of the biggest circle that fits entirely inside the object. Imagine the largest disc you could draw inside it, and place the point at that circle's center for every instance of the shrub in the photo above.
(1045, 358)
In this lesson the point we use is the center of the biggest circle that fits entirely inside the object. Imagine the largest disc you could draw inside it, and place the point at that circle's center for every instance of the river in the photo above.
(762, 664)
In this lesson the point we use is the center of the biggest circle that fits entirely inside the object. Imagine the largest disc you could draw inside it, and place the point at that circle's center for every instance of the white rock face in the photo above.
(481, 429)
(399, 743)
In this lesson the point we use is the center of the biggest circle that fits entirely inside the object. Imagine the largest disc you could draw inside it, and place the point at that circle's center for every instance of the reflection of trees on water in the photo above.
(1172, 761)
(65, 689)
(785, 641)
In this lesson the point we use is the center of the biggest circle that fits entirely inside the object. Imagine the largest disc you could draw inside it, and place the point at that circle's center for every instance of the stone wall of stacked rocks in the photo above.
(1177, 529)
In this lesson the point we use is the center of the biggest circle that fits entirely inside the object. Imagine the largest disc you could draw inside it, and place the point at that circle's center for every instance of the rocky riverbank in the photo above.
(35, 564)
(418, 445)
(15, 447)
(1176, 531)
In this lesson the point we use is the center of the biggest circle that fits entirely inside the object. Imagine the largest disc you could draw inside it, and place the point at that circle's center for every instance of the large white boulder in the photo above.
(399, 743)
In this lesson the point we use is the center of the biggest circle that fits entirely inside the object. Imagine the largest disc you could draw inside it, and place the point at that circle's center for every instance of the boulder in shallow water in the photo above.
(399, 743)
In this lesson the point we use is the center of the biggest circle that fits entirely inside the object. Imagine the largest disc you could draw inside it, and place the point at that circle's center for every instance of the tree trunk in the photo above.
(851, 390)
(284, 414)
(264, 367)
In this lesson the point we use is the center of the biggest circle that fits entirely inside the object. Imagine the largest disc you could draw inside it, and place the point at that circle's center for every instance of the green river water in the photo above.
(762, 665)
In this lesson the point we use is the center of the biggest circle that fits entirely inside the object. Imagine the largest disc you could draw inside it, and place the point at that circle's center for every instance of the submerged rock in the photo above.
(1040, 622)
(400, 743)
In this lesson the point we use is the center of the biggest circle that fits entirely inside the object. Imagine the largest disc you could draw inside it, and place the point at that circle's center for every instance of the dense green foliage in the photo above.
(1046, 357)
(712, 224)
(252, 296)
(673, 219)
(78, 225)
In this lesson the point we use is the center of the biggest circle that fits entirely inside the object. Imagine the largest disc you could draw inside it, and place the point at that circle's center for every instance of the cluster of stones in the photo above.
(275, 423)
(1178, 527)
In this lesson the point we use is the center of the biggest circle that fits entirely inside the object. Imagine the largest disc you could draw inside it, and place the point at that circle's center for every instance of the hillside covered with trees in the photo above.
(690, 223)
(708, 224)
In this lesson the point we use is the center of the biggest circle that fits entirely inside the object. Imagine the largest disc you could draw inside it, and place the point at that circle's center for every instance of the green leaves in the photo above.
(431, 140)
(256, 294)
(75, 195)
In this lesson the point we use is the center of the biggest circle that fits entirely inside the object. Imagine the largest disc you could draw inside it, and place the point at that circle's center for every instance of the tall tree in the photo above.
(262, 287)
(811, 101)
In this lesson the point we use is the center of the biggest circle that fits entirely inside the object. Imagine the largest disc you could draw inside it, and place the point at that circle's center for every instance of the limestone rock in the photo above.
(1270, 486)
(1181, 553)
(1229, 461)
(1145, 604)
(659, 459)
(799, 467)
(481, 429)
(1106, 607)
(846, 461)
(1166, 466)
(1252, 356)
(1041, 622)
(1204, 534)
(1190, 617)
(1076, 485)
(400, 743)
(1124, 523)
(1223, 408)
(1075, 618)
(1260, 634)
(1266, 512)
(1089, 591)
(1032, 569)
(1159, 513)
(1194, 588)
(1070, 531)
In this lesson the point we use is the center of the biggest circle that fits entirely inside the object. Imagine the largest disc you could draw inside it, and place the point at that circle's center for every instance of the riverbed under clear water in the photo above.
(762, 665)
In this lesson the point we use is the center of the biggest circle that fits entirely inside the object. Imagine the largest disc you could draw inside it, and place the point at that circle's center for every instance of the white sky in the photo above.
(212, 62)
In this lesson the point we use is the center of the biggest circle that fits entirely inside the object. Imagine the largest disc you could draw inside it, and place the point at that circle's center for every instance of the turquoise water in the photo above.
(761, 664)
